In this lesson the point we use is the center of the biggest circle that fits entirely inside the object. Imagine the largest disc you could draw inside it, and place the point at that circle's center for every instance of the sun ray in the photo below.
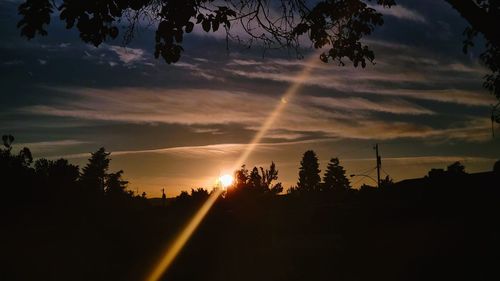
(188, 230)
(285, 99)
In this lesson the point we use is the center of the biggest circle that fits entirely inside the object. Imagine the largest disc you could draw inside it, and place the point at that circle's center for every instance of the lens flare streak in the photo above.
(189, 229)
(285, 99)
(183, 237)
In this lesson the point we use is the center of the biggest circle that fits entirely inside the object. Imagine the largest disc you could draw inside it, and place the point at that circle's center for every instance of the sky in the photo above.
(180, 126)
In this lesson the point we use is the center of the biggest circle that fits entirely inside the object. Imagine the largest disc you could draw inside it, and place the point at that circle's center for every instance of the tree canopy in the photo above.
(309, 178)
(257, 181)
(94, 174)
(335, 178)
(337, 25)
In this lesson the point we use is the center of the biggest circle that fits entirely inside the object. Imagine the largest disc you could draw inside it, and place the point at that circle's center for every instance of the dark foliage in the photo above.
(94, 173)
(456, 168)
(338, 25)
(440, 227)
(484, 18)
(496, 167)
(334, 23)
(335, 178)
(258, 182)
(309, 179)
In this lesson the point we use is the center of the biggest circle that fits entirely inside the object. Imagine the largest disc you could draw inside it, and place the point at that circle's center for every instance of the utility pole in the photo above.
(379, 163)
(495, 117)
(163, 198)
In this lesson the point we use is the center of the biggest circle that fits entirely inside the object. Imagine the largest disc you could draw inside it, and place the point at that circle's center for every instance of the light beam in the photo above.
(285, 99)
(188, 230)
(182, 238)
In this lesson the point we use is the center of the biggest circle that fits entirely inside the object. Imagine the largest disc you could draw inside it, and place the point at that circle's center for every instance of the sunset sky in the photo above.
(180, 126)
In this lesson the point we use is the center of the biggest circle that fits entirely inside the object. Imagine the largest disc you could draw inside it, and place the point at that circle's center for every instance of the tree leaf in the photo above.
(206, 25)
(189, 27)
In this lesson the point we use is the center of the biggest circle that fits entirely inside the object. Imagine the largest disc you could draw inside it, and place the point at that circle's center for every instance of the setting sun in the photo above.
(226, 180)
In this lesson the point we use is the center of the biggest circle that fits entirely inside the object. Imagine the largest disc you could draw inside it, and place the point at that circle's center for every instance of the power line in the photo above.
(366, 171)
(363, 175)
(385, 172)
(358, 181)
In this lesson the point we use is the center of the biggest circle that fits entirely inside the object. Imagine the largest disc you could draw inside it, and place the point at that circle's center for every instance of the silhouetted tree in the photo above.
(23, 158)
(319, 21)
(434, 173)
(255, 180)
(277, 188)
(200, 194)
(496, 167)
(183, 197)
(59, 176)
(268, 177)
(7, 141)
(115, 185)
(241, 177)
(367, 188)
(335, 178)
(309, 178)
(17, 177)
(386, 182)
(93, 175)
(456, 169)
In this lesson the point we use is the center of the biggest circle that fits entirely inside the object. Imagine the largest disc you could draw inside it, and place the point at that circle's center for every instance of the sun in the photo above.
(226, 180)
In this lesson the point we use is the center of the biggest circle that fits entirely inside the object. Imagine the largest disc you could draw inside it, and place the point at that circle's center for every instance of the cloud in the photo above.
(401, 12)
(333, 117)
(128, 55)
(425, 160)
(48, 146)
(456, 96)
(213, 131)
(139, 105)
(201, 151)
(395, 106)
(196, 70)
(408, 73)
(285, 135)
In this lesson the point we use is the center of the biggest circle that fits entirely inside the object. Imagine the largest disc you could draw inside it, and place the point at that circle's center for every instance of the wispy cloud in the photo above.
(429, 78)
(335, 117)
(418, 160)
(401, 12)
(396, 106)
(456, 96)
(195, 70)
(48, 146)
(127, 55)
(202, 151)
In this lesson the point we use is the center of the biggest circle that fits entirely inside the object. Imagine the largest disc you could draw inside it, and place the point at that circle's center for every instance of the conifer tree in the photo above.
(309, 178)
(335, 178)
